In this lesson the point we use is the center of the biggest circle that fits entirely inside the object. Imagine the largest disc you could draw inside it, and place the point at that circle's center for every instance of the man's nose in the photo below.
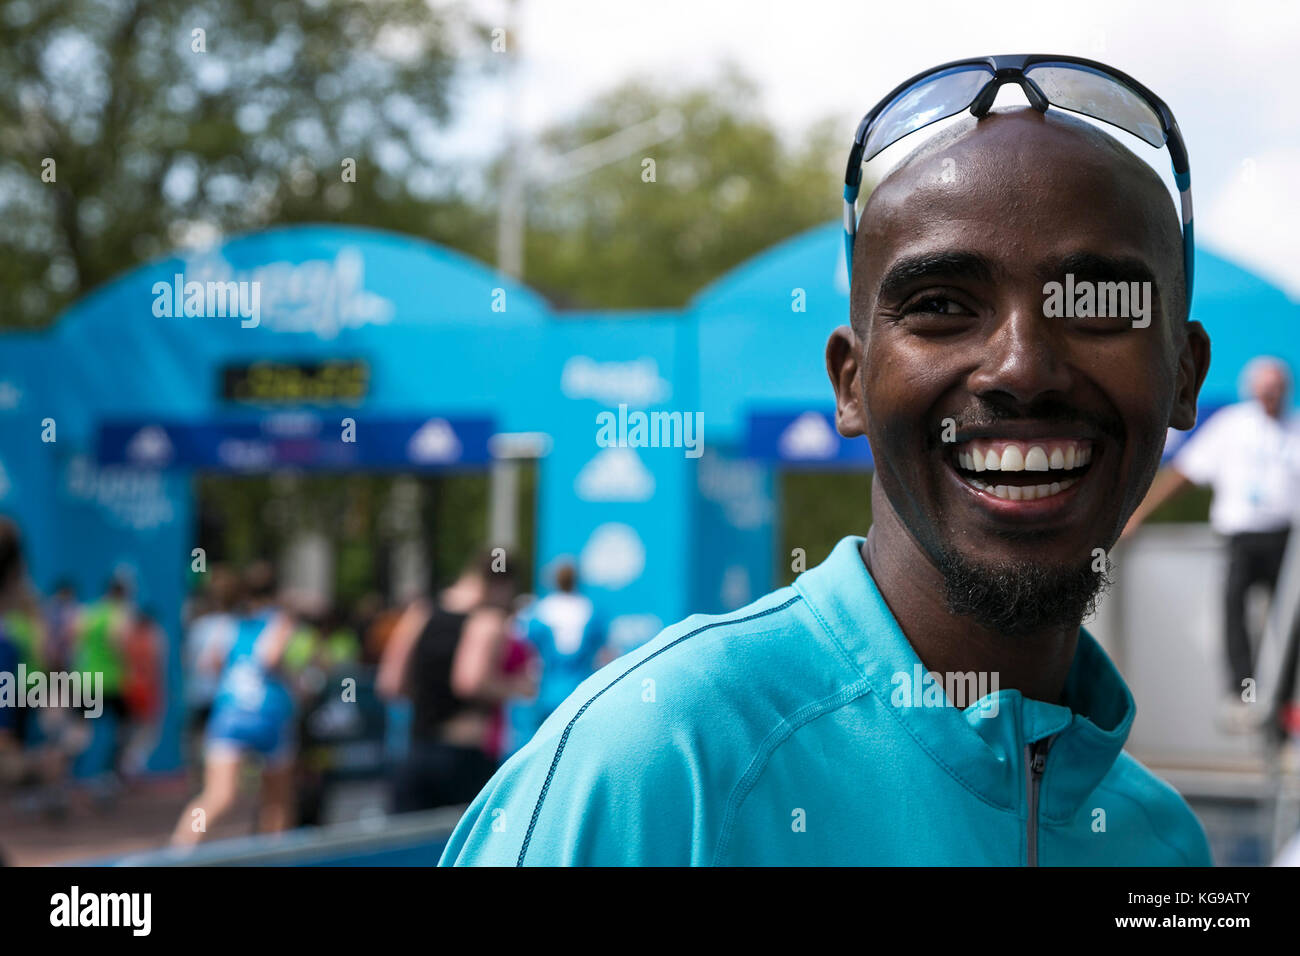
(1023, 356)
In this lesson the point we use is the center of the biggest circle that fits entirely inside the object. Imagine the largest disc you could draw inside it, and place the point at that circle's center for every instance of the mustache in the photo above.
(984, 414)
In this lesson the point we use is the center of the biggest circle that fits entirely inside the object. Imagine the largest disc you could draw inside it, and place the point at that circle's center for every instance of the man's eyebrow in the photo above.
(1096, 267)
(934, 265)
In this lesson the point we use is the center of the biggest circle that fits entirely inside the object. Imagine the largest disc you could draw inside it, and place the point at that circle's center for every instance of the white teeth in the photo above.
(1002, 455)
(1022, 493)
(1036, 459)
(1014, 455)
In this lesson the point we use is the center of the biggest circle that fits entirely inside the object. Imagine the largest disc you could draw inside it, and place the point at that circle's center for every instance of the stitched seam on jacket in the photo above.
(564, 738)
(779, 735)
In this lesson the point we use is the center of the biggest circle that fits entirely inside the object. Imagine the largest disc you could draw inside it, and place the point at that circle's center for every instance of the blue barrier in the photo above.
(412, 839)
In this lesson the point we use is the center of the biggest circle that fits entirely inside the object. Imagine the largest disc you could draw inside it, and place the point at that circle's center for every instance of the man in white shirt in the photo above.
(569, 637)
(1249, 453)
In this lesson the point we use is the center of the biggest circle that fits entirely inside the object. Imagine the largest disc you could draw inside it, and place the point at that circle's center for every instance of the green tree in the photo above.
(167, 119)
(728, 186)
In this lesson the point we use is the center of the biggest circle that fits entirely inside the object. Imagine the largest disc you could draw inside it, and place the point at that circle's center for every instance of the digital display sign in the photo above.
(279, 382)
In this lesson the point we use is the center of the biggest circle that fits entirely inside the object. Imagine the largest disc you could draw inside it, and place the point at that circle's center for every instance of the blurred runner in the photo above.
(1249, 453)
(513, 724)
(449, 659)
(23, 623)
(99, 650)
(568, 636)
(373, 621)
(252, 716)
(11, 563)
(142, 688)
(342, 722)
(11, 582)
(214, 627)
(300, 662)
(31, 751)
(62, 614)
(10, 750)
(341, 647)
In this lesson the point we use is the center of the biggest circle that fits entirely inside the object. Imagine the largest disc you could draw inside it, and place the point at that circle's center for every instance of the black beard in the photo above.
(1020, 598)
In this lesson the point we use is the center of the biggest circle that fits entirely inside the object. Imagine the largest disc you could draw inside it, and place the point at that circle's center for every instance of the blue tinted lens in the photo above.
(1079, 89)
(928, 101)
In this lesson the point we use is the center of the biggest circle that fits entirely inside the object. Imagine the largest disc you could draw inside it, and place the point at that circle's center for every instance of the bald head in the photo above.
(1036, 171)
(1268, 381)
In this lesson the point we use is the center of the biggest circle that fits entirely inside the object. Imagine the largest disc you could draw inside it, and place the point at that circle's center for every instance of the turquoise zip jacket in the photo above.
(802, 730)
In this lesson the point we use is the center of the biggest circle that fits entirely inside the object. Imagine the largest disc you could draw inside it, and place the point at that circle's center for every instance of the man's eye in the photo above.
(934, 305)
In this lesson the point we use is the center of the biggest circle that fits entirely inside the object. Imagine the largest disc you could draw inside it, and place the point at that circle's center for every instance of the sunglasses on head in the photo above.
(1066, 82)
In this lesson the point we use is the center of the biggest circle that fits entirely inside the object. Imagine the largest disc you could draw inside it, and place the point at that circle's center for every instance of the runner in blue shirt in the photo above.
(252, 717)
(568, 635)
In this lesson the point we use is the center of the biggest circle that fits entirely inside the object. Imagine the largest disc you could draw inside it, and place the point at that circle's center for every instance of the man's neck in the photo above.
(1035, 664)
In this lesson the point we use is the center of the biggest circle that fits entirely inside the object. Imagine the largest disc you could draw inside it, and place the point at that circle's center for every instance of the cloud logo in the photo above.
(434, 442)
(614, 474)
(613, 556)
(809, 437)
(10, 396)
(633, 383)
(149, 446)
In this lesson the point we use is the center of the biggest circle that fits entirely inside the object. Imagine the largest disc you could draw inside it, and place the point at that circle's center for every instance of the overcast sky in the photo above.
(1228, 69)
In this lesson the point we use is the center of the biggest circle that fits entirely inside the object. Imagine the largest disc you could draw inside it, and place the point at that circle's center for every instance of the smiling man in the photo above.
(926, 695)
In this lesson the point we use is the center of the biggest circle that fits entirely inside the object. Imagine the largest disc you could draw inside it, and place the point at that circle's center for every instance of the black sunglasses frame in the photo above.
(1011, 69)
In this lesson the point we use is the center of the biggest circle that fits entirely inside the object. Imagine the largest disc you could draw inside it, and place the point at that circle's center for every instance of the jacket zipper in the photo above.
(1035, 761)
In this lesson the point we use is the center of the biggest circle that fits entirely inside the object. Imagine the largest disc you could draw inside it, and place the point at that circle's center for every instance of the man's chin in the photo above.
(1021, 597)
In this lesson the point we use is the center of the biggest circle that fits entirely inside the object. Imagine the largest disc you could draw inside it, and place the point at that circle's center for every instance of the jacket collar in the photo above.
(982, 746)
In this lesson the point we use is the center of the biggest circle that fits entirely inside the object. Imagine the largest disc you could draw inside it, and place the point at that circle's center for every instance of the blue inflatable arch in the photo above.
(105, 417)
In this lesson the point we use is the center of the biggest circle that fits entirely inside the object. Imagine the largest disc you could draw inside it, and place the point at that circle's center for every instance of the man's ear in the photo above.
(842, 366)
(1193, 364)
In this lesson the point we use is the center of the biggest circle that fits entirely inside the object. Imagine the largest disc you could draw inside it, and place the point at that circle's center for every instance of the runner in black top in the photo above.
(447, 659)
